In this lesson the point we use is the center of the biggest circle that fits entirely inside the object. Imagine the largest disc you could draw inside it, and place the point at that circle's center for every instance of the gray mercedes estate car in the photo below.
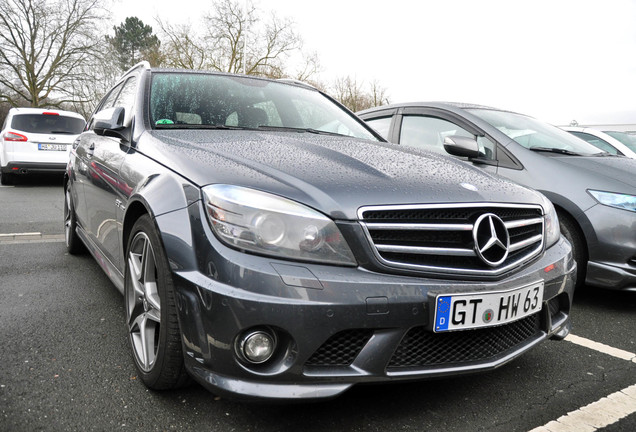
(594, 192)
(269, 244)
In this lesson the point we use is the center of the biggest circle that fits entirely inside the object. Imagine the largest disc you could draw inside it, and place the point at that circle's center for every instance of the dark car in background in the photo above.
(594, 193)
(269, 244)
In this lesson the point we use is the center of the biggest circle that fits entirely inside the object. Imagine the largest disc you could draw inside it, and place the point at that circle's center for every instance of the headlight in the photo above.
(616, 200)
(267, 224)
(552, 230)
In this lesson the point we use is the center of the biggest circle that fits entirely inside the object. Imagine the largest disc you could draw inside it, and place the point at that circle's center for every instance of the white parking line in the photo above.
(603, 412)
(596, 415)
(21, 234)
(606, 349)
(32, 237)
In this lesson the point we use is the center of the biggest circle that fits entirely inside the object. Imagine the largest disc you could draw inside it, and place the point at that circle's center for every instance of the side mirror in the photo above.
(461, 146)
(110, 122)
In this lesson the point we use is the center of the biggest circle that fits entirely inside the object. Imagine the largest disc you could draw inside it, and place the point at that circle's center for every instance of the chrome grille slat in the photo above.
(440, 239)
(417, 227)
(520, 245)
(426, 250)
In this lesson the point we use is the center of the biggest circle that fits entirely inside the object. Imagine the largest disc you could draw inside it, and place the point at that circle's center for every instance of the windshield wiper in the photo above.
(299, 130)
(555, 150)
(604, 153)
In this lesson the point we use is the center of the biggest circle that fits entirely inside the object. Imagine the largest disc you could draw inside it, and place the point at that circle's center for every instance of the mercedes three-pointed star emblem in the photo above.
(492, 240)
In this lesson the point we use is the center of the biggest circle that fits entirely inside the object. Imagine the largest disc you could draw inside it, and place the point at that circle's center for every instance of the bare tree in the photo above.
(349, 92)
(183, 47)
(99, 73)
(237, 39)
(42, 45)
(378, 95)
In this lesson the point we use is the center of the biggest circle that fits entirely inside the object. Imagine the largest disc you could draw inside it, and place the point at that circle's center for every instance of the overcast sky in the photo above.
(557, 60)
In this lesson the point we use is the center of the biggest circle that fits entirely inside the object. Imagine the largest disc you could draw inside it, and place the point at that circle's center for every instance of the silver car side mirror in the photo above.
(462, 146)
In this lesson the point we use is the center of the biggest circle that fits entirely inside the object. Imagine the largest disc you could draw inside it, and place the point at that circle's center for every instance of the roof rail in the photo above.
(297, 82)
(144, 64)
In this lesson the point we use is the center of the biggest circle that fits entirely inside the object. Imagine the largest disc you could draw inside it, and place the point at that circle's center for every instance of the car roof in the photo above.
(436, 104)
(146, 66)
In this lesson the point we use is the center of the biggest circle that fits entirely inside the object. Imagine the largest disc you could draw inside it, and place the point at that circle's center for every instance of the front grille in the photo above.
(340, 349)
(441, 238)
(421, 348)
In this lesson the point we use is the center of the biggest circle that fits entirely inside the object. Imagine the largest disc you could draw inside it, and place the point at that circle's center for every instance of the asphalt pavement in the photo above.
(66, 364)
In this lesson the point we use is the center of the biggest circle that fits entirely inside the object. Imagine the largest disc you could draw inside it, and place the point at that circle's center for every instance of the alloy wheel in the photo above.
(143, 305)
(68, 218)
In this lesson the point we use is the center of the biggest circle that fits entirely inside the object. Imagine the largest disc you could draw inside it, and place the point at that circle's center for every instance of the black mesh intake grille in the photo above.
(554, 307)
(341, 349)
(422, 348)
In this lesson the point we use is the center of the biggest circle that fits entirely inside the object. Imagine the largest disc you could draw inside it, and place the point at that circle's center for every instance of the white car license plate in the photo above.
(466, 311)
(52, 147)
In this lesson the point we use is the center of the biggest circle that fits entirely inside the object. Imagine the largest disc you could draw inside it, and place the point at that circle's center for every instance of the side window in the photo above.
(105, 103)
(381, 125)
(486, 148)
(108, 101)
(126, 97)
(429, 132)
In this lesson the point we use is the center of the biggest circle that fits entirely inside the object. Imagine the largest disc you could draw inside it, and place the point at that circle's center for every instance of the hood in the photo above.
(617, 172)
(333, 174)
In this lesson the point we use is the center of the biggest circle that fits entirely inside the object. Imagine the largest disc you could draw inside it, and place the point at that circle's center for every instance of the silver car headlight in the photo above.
(552, 230)
(268, 224)
(616, 200)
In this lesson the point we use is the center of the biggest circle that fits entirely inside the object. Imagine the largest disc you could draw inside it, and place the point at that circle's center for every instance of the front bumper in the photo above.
(612, 248)
(338, 326)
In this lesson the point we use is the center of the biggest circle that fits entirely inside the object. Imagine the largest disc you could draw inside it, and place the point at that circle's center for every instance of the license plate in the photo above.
(52, 147)
(466, 311)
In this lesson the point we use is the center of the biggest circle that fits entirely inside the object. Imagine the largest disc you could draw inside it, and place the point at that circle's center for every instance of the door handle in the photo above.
(91, 149)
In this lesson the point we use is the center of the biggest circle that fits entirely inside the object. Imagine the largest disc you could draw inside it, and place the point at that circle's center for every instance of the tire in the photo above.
(74, 244)
(151, 313)
(571, 231)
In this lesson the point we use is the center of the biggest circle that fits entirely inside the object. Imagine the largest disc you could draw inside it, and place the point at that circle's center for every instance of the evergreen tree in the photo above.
(134, 42)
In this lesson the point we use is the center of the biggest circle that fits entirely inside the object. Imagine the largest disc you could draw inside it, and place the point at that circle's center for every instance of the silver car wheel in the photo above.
(143, 305)
(68, 221)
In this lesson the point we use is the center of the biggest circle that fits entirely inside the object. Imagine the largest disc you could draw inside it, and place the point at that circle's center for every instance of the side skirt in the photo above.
(116, 277)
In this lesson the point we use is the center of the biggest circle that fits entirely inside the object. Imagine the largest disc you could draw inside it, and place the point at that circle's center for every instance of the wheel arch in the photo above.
(135, 210)
(576, 215)
(166, 199)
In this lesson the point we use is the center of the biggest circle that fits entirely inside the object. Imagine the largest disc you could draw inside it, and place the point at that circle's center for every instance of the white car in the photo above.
(619, 143)
(35, 140)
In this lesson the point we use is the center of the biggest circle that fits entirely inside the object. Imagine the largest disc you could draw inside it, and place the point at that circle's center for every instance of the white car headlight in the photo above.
(616, 200)
(552, 230)
(267, 224)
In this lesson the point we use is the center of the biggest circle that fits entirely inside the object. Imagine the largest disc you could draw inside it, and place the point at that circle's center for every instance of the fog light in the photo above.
(258, 346)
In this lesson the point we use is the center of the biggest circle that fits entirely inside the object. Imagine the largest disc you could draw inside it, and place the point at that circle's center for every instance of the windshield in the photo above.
(47, 124)
(625, 138)
(204, 101)
(534, 134)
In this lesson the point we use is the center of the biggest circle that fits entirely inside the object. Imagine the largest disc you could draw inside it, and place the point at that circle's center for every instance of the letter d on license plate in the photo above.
(466, 311)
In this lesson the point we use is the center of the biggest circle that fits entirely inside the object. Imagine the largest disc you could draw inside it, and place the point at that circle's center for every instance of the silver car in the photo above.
(594, 192)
